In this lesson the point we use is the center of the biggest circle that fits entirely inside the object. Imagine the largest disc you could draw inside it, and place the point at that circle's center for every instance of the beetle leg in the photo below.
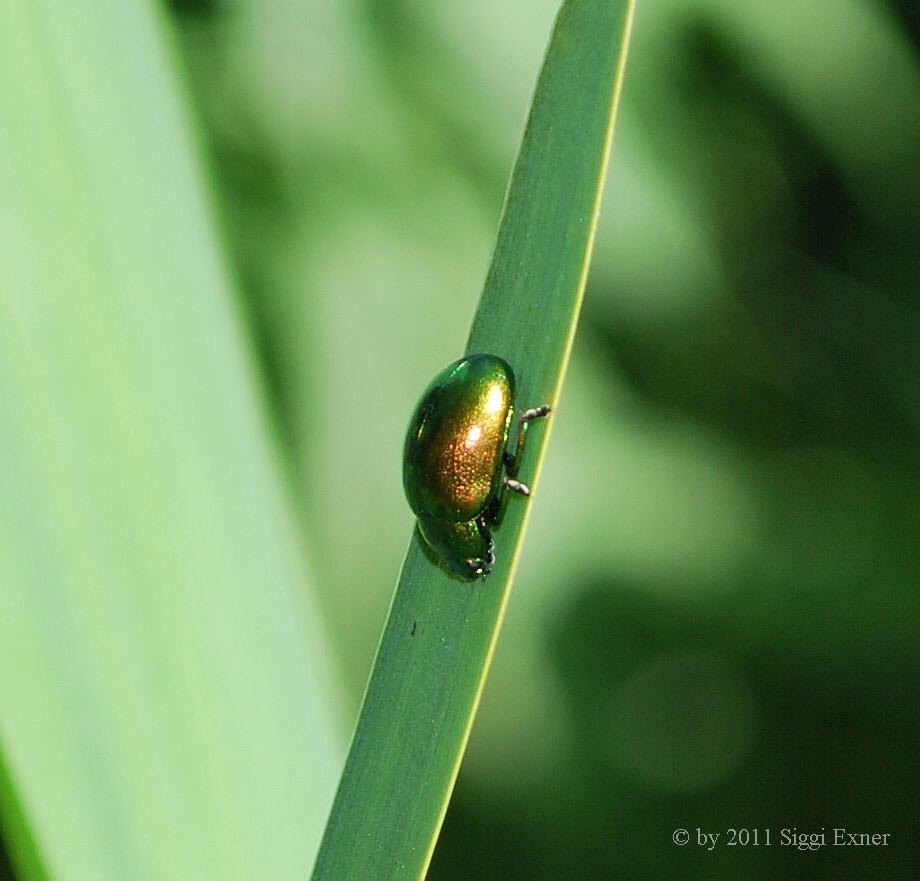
(493, 514)
(490, 545)
(536, 412)
(522, 489)
(513, 460)
(496, 509)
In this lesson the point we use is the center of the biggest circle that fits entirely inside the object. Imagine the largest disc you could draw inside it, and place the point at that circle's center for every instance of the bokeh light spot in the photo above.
(684, 720)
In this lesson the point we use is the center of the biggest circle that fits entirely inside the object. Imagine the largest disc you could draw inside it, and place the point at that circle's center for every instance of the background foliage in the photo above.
(715, 621)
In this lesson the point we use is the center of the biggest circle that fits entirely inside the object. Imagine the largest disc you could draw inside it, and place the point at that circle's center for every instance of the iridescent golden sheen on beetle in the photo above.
(456, 439)
(454, 458)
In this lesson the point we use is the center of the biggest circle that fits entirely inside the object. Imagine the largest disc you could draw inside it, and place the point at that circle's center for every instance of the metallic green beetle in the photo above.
(457, 469)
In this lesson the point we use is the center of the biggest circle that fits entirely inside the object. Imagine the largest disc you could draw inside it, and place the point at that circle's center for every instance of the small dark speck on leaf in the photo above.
(414, 628)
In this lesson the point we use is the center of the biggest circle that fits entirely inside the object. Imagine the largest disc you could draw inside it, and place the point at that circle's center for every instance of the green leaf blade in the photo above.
(440, 634)
(155, 615)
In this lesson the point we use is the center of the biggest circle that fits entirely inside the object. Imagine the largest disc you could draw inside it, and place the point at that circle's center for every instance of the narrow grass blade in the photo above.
(440, 634)
(165, 709)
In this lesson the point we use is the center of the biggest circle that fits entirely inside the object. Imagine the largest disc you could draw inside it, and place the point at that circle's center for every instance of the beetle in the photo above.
(457, 468)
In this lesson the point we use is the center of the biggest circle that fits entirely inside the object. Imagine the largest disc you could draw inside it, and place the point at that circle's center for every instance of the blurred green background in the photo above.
(715, 621)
